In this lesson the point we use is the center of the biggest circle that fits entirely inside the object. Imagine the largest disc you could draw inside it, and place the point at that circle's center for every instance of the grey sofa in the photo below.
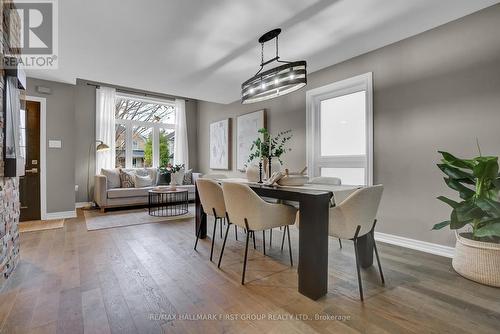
(108, 195)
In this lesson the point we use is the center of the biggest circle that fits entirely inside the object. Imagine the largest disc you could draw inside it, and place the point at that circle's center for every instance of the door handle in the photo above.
(32, 170)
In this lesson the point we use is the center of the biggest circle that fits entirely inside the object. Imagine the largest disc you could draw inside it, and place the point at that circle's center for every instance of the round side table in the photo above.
(168, 202)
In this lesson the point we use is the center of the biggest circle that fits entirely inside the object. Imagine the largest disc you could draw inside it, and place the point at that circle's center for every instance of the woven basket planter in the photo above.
(478, 261)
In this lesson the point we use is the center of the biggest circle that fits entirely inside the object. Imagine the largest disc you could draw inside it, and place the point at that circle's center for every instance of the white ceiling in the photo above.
(205, 49)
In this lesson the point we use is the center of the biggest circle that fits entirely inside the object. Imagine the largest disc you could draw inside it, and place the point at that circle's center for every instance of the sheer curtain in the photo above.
(105, 127)
(181, 150)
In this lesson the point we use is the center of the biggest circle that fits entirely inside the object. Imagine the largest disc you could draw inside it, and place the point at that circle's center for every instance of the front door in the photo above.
(29, 184)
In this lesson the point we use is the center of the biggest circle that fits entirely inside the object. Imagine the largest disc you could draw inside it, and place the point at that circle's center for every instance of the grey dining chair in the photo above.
(246, 209)
(212, 201)
(356, 217)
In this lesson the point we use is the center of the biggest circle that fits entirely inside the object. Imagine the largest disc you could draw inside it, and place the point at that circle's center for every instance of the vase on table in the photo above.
(177, 179)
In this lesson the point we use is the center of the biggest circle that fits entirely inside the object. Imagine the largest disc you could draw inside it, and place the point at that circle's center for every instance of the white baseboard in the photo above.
(79, 205)
(422, 246)
(60, 215)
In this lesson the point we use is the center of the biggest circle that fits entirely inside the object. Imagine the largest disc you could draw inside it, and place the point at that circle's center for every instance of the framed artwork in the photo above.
(219, 144)
(248, 126)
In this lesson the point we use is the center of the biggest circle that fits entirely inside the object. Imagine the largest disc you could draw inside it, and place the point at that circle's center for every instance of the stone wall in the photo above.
(9, 187)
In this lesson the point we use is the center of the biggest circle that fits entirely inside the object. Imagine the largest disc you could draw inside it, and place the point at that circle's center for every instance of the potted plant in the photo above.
(477, 181)
(267, 147)
(164, 176)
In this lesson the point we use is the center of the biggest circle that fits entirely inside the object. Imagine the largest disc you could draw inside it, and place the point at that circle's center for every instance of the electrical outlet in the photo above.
(76, 187)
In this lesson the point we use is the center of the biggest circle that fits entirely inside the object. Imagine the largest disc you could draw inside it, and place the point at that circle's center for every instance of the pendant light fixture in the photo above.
(277, 81)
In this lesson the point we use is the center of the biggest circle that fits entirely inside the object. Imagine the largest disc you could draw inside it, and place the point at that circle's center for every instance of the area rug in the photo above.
(40, 225)
(97, 220)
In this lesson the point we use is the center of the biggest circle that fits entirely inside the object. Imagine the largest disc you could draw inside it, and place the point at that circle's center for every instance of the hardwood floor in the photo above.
(135, 279)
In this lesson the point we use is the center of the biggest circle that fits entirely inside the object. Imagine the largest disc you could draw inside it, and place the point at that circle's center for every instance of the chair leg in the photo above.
(283, 239)
(213, 239)
(360, 285)
(197, 237)
(378, 261)
(264, 242)
(253, 237)
(236, 232)
(340, 243)
(223, 244)
(289, 244)
(221, 227)
(246, 256)
(270, 238)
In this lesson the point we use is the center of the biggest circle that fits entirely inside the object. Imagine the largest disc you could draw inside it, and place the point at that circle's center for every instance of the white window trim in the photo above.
(156, 128)
(313, 100)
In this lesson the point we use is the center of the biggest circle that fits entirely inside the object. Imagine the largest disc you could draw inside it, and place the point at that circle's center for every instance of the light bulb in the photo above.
(251, 90)
(276, 81)
(263, 86)
(291, 76)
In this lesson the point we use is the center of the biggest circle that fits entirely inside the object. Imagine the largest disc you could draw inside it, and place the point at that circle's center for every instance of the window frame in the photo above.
(315, 161)
(156, 127)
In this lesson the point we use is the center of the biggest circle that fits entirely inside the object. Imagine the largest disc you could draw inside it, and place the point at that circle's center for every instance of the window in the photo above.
(340, 130)
(144, 132)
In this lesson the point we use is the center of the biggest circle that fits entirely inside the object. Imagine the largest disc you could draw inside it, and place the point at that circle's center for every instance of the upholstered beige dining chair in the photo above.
(246, 209)
(212, 201)
(214, 176)
(354, 218)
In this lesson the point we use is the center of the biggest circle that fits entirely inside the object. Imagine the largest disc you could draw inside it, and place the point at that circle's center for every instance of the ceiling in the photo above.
(206, 49)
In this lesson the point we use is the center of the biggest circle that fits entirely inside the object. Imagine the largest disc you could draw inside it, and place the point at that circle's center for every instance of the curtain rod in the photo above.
(136, 92)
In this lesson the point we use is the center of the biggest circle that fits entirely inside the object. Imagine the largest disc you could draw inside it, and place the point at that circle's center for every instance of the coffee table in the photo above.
(168, 202)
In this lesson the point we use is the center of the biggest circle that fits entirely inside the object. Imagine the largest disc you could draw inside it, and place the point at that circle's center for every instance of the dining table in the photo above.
(314, 203)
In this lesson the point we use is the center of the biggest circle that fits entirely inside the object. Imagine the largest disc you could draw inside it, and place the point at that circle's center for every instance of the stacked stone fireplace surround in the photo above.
(9, 187)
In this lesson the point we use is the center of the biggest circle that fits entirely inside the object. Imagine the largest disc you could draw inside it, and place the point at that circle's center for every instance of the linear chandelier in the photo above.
(277, 81)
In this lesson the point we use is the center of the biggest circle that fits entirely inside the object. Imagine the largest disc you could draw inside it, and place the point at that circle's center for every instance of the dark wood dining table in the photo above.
(314, 207)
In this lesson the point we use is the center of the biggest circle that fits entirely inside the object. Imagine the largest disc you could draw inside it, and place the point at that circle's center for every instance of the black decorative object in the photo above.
(277, 81)
(270, 171)
(167, 203)
(260, 171)
(163, 178)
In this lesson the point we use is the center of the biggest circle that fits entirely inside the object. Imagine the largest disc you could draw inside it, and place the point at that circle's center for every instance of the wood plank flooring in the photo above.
(144, 278)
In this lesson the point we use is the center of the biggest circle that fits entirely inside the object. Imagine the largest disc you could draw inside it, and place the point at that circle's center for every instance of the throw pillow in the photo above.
(152, 173)
(179, 177)
(188, 177)
(142, 181)
(141, 172)
(112, 177)
(127, 179)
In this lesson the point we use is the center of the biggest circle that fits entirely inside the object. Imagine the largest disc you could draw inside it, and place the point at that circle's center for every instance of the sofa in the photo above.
(108, 192)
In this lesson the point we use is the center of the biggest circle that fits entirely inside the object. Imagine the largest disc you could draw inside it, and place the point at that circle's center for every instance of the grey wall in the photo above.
(60, 162)
(437, 90)
(84, 133)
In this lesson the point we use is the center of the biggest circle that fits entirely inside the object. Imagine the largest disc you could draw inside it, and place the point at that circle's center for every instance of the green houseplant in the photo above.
(265, 148)
(261, 149)
(477, 181)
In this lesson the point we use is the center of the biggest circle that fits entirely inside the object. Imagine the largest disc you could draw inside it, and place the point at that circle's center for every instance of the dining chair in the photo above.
(334, 181)
(212, 201)
(246, 209)
(354, 218)
(214, 176)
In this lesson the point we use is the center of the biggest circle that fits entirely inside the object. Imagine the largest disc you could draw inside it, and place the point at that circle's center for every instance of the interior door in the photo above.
(29, 184)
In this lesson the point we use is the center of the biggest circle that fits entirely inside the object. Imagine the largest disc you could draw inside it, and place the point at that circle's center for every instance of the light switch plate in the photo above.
(55, 143)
